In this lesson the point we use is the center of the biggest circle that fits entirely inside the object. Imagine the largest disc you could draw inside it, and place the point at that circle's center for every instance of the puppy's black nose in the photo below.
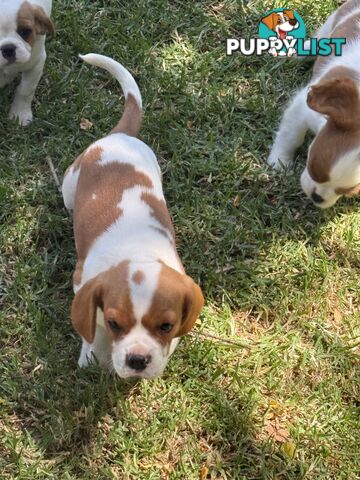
(137, 362)
(8, 51)
(316, 198)
(293, 21)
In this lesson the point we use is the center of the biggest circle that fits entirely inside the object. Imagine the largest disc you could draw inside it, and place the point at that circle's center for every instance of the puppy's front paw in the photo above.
(278, 161)
(85, 360)
(21, 115)
(86, 355)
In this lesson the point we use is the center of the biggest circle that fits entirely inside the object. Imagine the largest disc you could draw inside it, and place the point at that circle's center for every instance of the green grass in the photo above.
(280, 277)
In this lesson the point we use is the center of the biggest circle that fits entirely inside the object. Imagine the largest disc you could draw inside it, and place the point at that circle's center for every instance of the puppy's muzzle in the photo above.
(137, 362)
(8, 51)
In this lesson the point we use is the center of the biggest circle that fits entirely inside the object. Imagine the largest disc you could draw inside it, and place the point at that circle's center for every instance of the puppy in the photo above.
(282, 23)
(330, 107)
(23, 25)
(133, 299)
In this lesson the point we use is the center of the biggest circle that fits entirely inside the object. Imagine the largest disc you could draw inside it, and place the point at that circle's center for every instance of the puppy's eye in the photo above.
(114, 326)
(279, 21)
(25, 33)
(165, 327)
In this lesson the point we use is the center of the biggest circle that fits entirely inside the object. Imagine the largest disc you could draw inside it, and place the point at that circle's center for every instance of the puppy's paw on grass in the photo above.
(278, 161)
(23, 116)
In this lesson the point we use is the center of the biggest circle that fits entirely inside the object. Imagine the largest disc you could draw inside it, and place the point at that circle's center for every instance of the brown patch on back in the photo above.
(178, 300)
(338, 99)
(131, 119)
(99, 190)
(33, 19)
(91, 155)
(110, 292)
(138, 277)
(159, 211)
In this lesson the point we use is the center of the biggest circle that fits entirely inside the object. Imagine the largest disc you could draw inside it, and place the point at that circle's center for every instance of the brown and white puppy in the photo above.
(330, 107)
(133, 299)
(23, 25)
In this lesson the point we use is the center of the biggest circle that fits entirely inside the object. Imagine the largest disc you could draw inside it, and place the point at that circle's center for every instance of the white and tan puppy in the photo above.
(23, 25)
(330, 107)
(133, 299)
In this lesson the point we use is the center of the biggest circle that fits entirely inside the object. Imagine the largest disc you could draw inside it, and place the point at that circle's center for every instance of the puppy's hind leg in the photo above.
(291, 133)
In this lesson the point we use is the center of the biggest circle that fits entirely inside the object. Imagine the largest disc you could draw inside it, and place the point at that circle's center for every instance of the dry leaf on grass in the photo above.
(289, 449)
(85, 124)
(337, 316)
(236, 201)
(204, 473)
(278, 434)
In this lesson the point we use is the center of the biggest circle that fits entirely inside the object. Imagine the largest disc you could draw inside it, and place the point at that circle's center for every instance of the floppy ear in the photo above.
(270, 20)
(83, 309)
(290, 14)
(193, 303)
(338, 99)
(43, 23)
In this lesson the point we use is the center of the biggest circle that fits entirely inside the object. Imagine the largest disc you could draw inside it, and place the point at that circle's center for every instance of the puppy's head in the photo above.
(281, 22)
(20, 24)
(143, 307)
(333, 165)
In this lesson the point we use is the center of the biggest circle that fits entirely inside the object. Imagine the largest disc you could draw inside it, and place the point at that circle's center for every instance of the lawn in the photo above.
(276, 394)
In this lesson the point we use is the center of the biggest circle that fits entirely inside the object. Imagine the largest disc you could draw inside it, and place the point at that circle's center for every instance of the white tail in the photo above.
(122, 75)
(130, 122)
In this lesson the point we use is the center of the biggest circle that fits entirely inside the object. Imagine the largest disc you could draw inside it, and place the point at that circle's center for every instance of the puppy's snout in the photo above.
(137, 362)
(8, 51)
(316, 198)
(293, 22)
